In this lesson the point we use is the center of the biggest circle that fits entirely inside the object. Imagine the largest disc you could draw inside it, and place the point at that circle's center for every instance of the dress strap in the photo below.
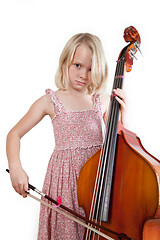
(58, 107)
(97, 102)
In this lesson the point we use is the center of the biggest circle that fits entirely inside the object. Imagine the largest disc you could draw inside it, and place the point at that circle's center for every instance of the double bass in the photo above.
(119, 186)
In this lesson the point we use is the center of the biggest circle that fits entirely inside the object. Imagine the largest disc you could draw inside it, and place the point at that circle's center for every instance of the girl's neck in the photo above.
(76, 93)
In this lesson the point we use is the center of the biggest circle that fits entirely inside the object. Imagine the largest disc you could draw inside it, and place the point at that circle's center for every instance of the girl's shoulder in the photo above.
(52, 102)
(47, 105)
(51, 94)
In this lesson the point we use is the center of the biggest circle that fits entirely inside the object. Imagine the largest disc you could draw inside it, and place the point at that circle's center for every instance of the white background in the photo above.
(32, 36)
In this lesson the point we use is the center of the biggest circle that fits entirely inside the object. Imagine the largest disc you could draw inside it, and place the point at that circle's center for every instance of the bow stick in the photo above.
(73, 213)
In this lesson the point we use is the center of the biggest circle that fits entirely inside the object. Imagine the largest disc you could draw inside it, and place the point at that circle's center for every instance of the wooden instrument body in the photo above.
(135, 197)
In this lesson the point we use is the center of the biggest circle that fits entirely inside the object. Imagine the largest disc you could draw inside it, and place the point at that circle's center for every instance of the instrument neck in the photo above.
(101, 211)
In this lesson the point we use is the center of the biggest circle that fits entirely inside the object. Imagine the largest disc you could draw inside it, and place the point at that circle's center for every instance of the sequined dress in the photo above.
(78, 135)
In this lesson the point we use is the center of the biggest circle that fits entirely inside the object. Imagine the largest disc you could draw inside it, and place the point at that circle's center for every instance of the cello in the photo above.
(122, 180)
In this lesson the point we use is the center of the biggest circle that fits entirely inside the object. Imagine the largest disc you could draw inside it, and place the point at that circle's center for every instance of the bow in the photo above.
(84, 221)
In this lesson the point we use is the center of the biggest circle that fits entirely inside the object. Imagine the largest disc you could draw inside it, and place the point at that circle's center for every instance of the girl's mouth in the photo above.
(80, 83)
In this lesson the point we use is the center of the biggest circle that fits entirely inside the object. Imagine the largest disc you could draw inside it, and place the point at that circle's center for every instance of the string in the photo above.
(92, 209)
(109, 154)
(110, 137)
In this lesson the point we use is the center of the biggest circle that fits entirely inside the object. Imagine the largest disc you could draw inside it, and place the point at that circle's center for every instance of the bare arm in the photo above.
(37, 111)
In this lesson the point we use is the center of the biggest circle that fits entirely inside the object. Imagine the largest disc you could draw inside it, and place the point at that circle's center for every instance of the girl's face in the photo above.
(80, 69)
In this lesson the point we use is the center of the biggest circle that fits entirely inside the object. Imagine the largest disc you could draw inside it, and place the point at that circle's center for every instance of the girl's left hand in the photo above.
(122, 99)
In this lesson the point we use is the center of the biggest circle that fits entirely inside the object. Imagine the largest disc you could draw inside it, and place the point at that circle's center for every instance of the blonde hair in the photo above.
(99, 67)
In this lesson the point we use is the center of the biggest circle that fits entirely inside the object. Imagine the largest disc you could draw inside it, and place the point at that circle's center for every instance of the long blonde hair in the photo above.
(99, 67)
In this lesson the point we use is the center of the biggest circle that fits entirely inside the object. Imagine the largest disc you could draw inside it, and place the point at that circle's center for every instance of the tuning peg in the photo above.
(140, 51)
(137, 46)
(132, 53)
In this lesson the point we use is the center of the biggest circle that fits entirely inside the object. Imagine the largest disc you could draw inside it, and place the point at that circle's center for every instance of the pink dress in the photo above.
(78, 135)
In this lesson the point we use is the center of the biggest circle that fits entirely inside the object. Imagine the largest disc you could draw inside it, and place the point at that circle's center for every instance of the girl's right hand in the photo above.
(19, 180)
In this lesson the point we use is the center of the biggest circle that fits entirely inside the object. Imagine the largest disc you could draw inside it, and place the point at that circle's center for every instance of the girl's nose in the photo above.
(83, 74)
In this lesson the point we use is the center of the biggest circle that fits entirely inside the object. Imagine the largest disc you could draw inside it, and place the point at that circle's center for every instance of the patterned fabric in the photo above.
(78, 135)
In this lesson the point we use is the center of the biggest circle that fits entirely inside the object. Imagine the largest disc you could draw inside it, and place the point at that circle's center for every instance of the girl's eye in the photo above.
(77, 65)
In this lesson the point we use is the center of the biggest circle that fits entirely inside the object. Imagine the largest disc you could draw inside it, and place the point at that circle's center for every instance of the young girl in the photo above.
(77, 112)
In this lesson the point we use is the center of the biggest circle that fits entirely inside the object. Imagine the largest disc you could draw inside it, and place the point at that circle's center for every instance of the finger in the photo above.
(24, 190)
(24, 195)
(120, 93)
(21, 189)
(120, 101)
(121, 96)
(26, 187)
